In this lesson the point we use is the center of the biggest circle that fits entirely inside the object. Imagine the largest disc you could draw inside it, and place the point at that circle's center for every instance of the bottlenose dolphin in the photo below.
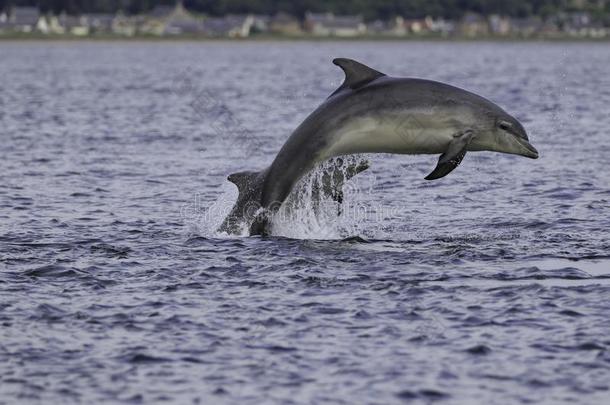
(375, 113)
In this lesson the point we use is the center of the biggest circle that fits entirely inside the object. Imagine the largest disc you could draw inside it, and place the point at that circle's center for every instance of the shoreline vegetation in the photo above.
(178, 23)
(16, 37)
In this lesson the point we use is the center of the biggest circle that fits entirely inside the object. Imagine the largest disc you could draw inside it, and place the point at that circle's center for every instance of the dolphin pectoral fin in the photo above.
(443, 169)
(453, 156)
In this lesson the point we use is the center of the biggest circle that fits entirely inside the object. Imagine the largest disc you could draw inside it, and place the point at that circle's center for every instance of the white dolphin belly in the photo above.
(413, 133)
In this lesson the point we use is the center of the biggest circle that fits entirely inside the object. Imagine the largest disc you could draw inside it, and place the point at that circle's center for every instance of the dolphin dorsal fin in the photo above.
(356, 74)
(242, 179)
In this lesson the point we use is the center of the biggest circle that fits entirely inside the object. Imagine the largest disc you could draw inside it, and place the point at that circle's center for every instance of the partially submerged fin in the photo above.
(452, 157)
(249, 186)
(243, 180)
(356, 74)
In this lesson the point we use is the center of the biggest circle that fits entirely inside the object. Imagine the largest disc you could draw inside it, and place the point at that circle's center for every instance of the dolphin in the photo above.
(372, 112)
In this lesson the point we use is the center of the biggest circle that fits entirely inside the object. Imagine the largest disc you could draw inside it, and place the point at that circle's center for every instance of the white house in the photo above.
(328, 24)
(233, 26)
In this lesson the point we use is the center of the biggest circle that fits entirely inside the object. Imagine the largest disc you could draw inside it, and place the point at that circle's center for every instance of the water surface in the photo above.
(491, 285)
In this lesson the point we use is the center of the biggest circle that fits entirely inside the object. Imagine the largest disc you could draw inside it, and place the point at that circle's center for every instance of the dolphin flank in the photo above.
(375, 113)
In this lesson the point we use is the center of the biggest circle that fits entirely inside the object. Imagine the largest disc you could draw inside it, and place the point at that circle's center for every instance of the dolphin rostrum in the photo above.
(375, 113)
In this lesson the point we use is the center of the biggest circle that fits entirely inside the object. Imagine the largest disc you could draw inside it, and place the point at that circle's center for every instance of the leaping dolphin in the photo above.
(375, 113)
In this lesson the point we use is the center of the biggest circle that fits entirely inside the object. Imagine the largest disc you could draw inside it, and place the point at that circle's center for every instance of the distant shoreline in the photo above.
(284, 38)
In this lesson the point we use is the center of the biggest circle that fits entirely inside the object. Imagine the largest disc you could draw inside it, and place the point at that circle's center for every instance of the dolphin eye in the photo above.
(504, 125)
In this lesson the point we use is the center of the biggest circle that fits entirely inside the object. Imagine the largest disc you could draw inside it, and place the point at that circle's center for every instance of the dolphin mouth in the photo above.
(530, 151)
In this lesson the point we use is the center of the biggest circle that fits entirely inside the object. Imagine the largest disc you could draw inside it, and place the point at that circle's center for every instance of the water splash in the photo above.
(205, 219)
(316, 211)
(330, 202)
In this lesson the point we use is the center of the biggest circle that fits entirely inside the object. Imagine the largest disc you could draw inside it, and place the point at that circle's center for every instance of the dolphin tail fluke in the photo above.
(248, 201)
(243, 180)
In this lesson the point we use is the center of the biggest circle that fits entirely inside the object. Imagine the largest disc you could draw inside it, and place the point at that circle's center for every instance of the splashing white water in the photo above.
(308, 213)
(311, 214)
(205, 219)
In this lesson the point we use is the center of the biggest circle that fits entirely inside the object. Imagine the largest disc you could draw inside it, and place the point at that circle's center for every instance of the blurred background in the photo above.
(317, 18)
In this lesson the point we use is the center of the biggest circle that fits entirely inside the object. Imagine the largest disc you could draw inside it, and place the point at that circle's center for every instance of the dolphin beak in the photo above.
(529, 150)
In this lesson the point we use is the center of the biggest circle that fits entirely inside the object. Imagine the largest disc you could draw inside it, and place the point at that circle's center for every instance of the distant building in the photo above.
(419, 26)
(183, 26)
(377, 27)
(170, 20)
(397, 27)
(126, 25)
(443, 27)
(499, 25)
(317, 23)
(232, 26)
(74, 25)
(526, 27)
(394, 27)
(285, 24)
(100, 23)
(3, 22)
(473, 25)
(24, 19)
(260, 23)
(550, 28)
(327, 24)
(582, 25)
(156, 20)
(54, 25)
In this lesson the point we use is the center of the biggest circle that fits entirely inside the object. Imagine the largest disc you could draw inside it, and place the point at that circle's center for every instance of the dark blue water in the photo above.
(491, 285)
